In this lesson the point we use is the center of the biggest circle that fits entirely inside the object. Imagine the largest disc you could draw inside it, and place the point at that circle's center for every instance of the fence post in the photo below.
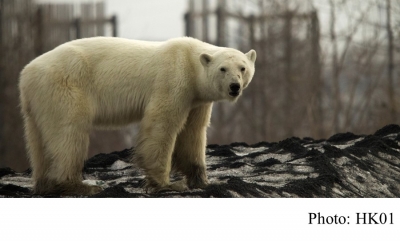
(391, 87)
(99, 14)
(187, 24)
(316, 76)
(1, 46)
(251, 22)
(1, 73)
(114, 25)
(1, 26)
(189, 20)
(288, 72)
(221, 24)
(77, 25)
(38, 42)
(205, 21)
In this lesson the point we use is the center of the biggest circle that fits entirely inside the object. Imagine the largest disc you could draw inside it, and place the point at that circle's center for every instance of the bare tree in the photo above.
(392, 101)
(302, 89)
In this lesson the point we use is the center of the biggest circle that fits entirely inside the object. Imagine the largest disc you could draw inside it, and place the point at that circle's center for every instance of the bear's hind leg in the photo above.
(67, 149)
(35, 149)
(190, 149)
(65, 131)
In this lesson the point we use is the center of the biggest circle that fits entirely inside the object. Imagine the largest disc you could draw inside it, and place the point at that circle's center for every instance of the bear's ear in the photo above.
(251, 55)
(205, 59)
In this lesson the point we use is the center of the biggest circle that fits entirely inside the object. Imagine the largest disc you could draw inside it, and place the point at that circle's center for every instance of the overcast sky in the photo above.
(148, 19)
(163, 19)
(144, 19)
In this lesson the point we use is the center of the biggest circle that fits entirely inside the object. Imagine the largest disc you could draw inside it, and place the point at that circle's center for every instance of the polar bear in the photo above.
(106, 82)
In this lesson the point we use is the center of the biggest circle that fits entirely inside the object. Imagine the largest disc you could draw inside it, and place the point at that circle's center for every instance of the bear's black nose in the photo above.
(234, 87)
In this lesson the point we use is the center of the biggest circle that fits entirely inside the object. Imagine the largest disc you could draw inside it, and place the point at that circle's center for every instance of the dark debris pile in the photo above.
(345, 165)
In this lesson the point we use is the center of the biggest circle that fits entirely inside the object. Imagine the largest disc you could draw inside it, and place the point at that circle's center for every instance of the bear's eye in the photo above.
(243, 69)
(223, 69)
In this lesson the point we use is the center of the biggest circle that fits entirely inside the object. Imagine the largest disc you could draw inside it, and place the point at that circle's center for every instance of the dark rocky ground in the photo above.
(345, 165)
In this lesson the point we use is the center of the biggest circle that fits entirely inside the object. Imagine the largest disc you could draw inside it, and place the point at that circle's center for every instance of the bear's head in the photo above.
(229, 72)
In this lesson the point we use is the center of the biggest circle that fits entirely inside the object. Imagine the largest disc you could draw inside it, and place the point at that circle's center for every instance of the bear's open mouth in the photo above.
(234, 93)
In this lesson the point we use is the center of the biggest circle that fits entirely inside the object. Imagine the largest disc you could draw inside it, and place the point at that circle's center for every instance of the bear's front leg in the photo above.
(190, 148)
(158, 131)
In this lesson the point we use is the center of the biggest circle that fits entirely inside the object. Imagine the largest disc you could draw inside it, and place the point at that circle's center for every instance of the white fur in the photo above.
(105, 82)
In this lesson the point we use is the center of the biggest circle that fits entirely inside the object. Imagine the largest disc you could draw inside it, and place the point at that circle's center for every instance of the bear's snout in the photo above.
(235, 89)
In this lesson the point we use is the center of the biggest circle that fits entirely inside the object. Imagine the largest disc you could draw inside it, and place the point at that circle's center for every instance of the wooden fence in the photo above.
(26, 31)
(288, 71)
(57, 24)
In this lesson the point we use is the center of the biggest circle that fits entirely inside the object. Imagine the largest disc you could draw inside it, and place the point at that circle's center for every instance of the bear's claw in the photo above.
(178, 186)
